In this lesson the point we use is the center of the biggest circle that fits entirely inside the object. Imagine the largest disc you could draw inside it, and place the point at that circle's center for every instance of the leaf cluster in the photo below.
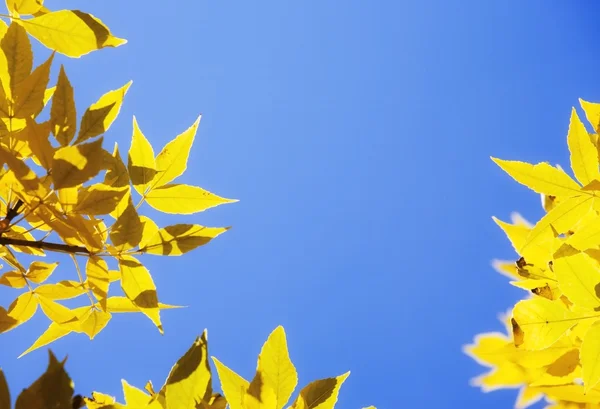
(189, 385)
(551, 347)
(62, 191)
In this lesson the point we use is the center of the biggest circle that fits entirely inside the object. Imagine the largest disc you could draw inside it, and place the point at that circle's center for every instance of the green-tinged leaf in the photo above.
(29, 93)
(190, 378)
(141, 164)
(99, 199)
(171, 162)
(234, 386)
(178, 239)
(71, 32)
(578, 277)
(54, 389)
(19, 57)
(74, 165)
(101, 114)
(277, 369)
(321, 394)
(62, 290)
(590, 357)
(183, 199)
(540, 322)
(63, 114)
(138, 286)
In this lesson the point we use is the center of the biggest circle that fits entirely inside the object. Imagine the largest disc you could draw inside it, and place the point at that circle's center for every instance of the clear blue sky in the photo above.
(357, 137)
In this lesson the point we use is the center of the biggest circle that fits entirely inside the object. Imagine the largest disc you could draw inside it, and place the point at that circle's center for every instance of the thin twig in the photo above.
(44, 245)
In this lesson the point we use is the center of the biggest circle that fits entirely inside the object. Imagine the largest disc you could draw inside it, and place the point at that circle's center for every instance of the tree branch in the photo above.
(44, 245)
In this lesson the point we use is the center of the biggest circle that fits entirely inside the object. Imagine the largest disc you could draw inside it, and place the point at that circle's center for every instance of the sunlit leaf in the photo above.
(19, 57)
(14, 279)
(234, 386)
(321, 394)
(183, 199)
(95, 322)
(578, 277)
(99, 199)
(39, 271)
(29, 93)
(24, 6)
(118, 304)
(62, 290)
(74, 165)
(141, 164)
(178, 239)
(56, 312)
(63, 115)
(584, 155)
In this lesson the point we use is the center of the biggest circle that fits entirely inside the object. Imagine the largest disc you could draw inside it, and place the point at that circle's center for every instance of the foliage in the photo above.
(552, 343)
(67, 194)
(189, 385)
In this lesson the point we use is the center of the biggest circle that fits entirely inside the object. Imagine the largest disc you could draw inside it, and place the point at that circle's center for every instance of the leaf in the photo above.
(587, 236)
(590, 352)
(62, 290)
(96, 271)
(320, 394)
(178, 239)
(138, 286)
(23, 308)
(6, 321)
(592, 113)
(141, 163)
(74, 165)
(54, 389)
(56, 312)
(274, 363)
(37, 135)
(149, 230)
(99, 199)
(117, 304)
(39, 271)
(24, 6)
(578, 277)
(13, 279)
(71, 32)
(541, 178)
(63, 115)
(95, 322)
(116, 174)
(127, 230)
(183, 199)
(101, 114)
(171, 162)
(19, 57)
(29, 93)
(542, 321)
(4, 393)
(584, 155)
(190, 378)
(134, 397)
(234, 386)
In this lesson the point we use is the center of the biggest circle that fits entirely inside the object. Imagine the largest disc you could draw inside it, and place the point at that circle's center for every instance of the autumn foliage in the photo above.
(63, 194)
(551, 346)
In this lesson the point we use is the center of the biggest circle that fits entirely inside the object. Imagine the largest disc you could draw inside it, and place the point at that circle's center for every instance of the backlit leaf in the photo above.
(592, 113)
(71, 32)
(62, 290)
(183, 199)
(590, 354)
(234, 386)
(138, 286)
(14, 279)
(96, 271)
(56, 312)
(117, 304)
(74, 165)
(19, 58)
(116, 174)
(141, 164)
(321, 394)
(578, 276)
(101, 114)
(95, 322)
(24, 6)
(39, 271)
(541, 178)
(99, 199)
(178, 239)
(4, 393)
(127, 230)
(134, 397)
(37, 135)
(29, 93)
(63, 115)
(23, 307)
(584, 155)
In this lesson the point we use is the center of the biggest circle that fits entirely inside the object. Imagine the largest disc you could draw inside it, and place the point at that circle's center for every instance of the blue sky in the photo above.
(357, 137)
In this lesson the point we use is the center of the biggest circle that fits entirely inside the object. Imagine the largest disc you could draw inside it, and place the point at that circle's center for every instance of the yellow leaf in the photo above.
(67, 197)
(14, 279)
(71, 32)
(54, 389)
(590, 352)
(541, 178)
(29, 93)
(592, 113)
(234, 386)
(183, 199)
(37, 136)
(54, 332)
(123, 304)
(63, 115)
(21, 233)
(19, 57)
(190, 378)
(278, 372)
(543, 288)
(138, 286)
(542, 321)
(149, 230)
(584, 155)
(6, 321)
(56, 312)
(178, 239)
(4, 393)
(74, 165)
(518, 234)
(86, 229)
(24, 178)
(116, 174)
(134, 397)
(259, 395)
(62, 290)
(95, 322)
(39, 271)
(578, 276)
(23, 307)
(321, 394)
(141, 163)
(564, 216)
(24, 6)
(96, 271)
(171, 162)
(127, 230)
(587, 236)
(101, 114)
(101, 401)
(99, 199)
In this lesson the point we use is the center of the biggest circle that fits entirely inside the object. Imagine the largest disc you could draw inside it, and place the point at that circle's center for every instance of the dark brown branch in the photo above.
(44, 245)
